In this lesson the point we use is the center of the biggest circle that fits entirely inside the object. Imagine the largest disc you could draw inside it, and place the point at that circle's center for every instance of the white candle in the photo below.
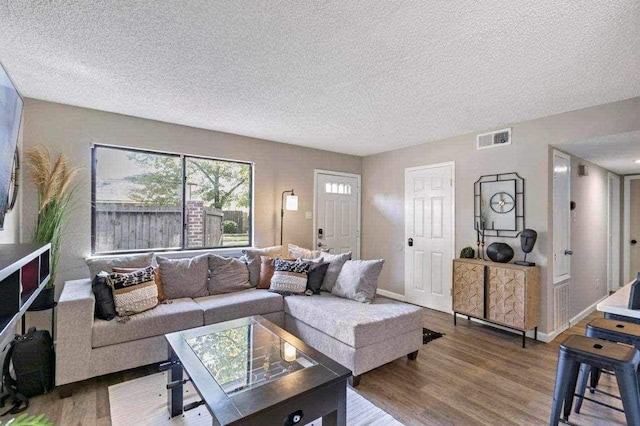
(290, 353)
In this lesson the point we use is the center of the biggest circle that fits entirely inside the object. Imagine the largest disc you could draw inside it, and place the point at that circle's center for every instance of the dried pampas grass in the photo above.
(54, 182)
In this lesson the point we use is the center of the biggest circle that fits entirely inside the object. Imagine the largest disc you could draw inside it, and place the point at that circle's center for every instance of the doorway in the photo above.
(337, 212)
(429, 235)
(631, 237)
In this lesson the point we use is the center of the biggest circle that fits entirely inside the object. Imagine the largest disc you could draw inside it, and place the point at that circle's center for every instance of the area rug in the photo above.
(429, 335)
(143, 401)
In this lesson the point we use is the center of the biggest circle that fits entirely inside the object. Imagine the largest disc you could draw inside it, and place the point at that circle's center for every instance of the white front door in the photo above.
(429, 235)
(561, 217)
(337, 213)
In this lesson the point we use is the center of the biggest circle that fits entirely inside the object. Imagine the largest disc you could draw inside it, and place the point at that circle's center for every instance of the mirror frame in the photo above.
(519, 207)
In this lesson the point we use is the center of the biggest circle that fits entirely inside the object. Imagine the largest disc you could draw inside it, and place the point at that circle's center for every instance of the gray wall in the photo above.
(278, 167)
(383, 184)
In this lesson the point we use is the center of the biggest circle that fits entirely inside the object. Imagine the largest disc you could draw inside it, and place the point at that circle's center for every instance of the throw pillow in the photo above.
(185, 277)
(108, 263)
(227, 275)
(254, 263)
(289, 277)
(156, 278)
(358, 280)
(105, 307)
(134, 292)
(266, 271)
(335, 266)
(296, 252)
(317, 272)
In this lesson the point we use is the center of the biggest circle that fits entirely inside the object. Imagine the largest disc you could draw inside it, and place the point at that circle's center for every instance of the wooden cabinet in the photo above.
(500, 293)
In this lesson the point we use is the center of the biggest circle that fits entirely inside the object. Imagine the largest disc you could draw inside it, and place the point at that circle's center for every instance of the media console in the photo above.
(24, 271)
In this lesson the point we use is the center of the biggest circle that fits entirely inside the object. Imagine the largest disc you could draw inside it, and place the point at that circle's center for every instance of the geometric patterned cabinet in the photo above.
(500, 293)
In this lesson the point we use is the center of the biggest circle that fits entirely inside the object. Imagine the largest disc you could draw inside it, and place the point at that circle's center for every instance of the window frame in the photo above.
(183, 216)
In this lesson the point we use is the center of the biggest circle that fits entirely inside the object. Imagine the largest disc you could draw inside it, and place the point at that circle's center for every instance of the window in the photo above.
(143, 200)
(337, 188)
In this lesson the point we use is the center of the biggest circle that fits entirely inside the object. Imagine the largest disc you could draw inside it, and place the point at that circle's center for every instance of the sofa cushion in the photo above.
(185, 277)
(225, 307)
(355, 324)
(227, 275)
(179, 314)
(358, 280)
(336, 261)
(125, 261)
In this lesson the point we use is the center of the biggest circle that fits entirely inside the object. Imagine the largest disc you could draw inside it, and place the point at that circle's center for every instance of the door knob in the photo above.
(410, 242)
(634, 242)
(568, 252)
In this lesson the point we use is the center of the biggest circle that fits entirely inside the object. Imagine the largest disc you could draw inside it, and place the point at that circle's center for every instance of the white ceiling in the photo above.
(356, 77)
(614, 152)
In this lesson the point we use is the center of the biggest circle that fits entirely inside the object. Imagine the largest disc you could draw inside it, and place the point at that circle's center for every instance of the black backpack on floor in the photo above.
(32, 357)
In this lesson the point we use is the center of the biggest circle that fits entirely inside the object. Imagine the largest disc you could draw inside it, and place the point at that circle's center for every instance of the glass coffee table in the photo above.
(249, 371)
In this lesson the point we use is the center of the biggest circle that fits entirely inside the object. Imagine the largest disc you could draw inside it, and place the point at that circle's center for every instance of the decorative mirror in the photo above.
(499, 205)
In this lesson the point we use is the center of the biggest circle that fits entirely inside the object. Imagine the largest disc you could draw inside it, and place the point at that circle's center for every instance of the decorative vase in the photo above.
(467, 253)
(500, 252)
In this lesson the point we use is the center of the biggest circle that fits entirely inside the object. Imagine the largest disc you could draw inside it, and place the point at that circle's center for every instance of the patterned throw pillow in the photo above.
(134, 292)
(289, 277)
(156, 278)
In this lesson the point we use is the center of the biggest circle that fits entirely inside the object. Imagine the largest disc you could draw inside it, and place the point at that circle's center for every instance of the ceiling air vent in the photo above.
(494, 139)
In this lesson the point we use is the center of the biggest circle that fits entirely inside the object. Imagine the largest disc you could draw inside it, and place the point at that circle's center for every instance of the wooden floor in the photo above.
(474, 375)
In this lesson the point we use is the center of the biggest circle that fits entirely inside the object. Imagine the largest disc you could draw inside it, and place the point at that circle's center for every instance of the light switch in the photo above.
(308, 215)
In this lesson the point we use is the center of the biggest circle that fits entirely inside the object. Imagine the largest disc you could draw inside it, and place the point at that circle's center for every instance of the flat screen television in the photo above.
(10, 113)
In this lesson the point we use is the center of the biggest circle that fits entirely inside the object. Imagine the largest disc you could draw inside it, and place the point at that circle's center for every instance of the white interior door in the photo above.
(561, 217)
(337, 213)
(634, 222)
(613, 264)
(429, 235)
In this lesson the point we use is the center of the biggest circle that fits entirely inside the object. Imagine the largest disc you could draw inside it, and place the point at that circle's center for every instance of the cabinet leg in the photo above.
(535, 333)
(524, 337)
(413, 356)
(455, 316)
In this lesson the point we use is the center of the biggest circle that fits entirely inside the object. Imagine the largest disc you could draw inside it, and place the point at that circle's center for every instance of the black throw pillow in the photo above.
(316, 276)
(105, 306)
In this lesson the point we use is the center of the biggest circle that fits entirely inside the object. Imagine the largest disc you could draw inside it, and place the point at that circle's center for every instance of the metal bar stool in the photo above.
(621, 359)
(613, 331)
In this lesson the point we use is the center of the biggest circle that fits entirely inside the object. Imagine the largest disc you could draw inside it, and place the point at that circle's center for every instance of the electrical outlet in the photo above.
(308, 215)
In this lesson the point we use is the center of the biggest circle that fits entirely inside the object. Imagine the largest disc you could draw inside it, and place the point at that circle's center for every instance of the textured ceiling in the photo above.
(357, 77)
(614, 152)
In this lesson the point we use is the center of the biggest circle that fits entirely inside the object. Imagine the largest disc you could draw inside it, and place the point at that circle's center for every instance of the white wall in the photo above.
(278, 166)
(383, 184)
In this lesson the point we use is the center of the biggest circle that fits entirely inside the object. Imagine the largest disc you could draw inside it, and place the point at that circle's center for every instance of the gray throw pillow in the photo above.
(358, 280)
(335, 266)
(184, 277)
(107, 264)
(227, 275)
(253, 260)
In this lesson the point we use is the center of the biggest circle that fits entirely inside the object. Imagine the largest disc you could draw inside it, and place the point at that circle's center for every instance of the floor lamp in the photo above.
(291, 204)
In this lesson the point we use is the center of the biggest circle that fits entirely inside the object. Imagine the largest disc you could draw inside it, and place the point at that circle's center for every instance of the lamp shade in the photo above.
(292, 202)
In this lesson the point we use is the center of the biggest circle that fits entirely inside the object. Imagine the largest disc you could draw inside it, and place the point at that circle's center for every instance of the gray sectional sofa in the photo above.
(359, 336)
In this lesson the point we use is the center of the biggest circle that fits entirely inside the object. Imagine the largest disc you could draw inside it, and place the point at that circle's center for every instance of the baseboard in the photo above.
(391, 295)
(548, 337)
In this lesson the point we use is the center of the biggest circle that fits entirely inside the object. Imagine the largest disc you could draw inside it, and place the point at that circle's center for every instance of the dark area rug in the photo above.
(429, 335)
